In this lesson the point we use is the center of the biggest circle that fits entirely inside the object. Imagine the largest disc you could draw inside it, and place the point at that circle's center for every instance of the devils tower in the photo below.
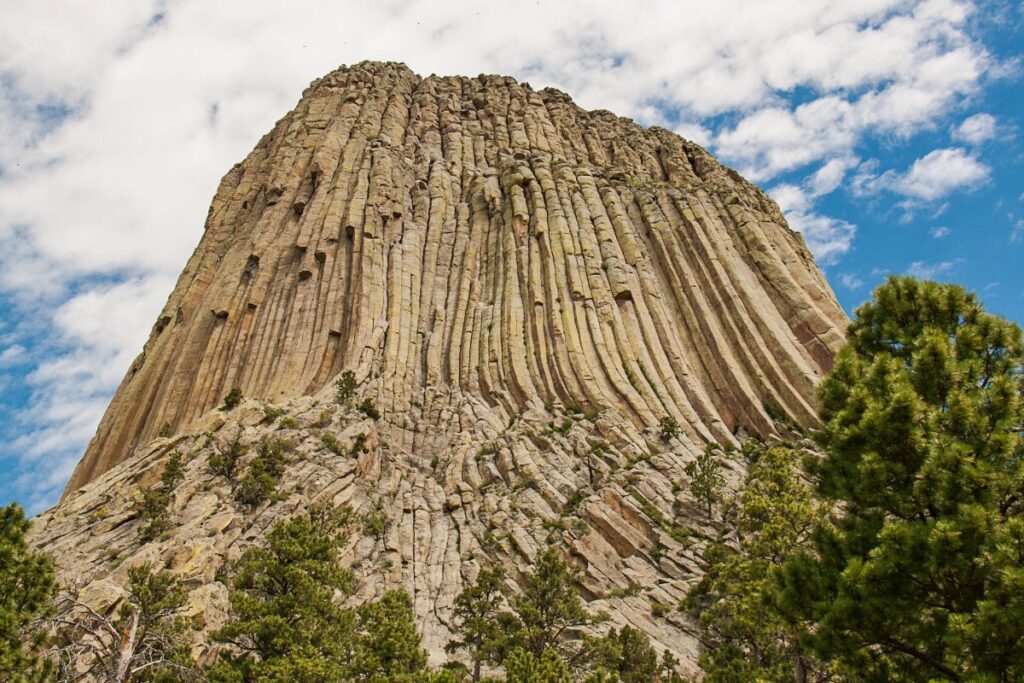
(523, 290)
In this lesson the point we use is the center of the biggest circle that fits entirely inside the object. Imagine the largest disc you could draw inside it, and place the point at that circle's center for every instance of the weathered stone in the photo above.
(523, 290)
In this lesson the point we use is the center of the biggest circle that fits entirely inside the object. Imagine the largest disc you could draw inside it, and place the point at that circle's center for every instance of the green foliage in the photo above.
(668, 428)
(287, 625)
(549, 609)
(153, 508)
(346, 387)
(745, 638)
(147, 640)
(522, 666)
(232, 399)
(706, 479)
(271, 412)
(479, 625)
(165, 430)
(224, 462)
(174, 472)
(387, 645)
(264, 472)
(26, 588)
(376, 522)
(922, 578)
(358, 445)
(331, 443)
(367, 408)
(627, 656)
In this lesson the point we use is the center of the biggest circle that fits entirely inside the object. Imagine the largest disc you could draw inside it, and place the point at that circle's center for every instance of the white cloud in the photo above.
(118, 190)
(940, 172)
(1017, 234)
(12, 354)
(930, 178)
(828, 238)
(899, 74)
(931, 271)
(975, 129)
(851, 281)
(939, 231)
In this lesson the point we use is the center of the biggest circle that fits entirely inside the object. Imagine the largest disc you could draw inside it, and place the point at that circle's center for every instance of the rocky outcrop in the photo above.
(513, 281)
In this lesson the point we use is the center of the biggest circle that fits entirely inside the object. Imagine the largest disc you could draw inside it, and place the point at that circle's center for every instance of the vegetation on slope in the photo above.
(894, 551)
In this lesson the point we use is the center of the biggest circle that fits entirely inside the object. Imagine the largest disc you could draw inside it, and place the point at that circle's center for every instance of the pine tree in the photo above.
(523, 666)
(288, 626)
(745, 638)
(706, 479)
(549, 610)
(480, 626)
(26, 587)
(144, 642)
(919, 574)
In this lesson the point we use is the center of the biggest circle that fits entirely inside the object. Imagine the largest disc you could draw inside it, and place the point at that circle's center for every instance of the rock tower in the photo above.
(523, 290)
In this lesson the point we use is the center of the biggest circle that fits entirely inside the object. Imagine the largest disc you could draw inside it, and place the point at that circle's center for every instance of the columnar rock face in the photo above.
(512, 280)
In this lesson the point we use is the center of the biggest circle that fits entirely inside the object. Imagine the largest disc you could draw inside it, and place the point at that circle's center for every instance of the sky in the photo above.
(888, 130)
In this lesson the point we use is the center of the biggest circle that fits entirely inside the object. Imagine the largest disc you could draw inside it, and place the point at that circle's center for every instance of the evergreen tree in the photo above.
(145, 642)
(627, 654)
(745, 638)
(919, 574)
(286, 623)
(550, 610)
(26, 587)
(523, 666)
(288, 626)
(480, 626)
(706, 477)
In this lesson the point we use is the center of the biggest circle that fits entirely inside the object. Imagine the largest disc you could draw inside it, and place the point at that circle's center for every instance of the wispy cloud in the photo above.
(931, 271)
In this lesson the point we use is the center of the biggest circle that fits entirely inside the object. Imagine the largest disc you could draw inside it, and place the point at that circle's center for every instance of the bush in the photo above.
(331, 443)
(224, 462)
(669, 428)
(346, 387)
(233, 398)
(153, 510)
(165, 430)
(264, 472)
(358, 445)
(367, 408)
(174, 472)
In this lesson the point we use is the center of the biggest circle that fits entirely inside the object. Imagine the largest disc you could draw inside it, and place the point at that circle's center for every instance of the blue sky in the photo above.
(888, 130)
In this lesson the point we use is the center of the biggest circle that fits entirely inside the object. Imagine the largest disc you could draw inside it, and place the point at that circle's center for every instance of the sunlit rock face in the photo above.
(513, 281)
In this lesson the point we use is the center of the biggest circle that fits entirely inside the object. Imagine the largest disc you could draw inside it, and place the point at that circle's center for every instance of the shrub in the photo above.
(233, 398)
(331, 443)
(346, 387)
(669, 428)
(174, 472)
(165, 430)
(358, 445)
(367, 408)
(225, 461)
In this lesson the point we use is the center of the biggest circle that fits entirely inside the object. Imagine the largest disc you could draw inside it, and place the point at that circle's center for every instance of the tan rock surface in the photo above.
(487, 259)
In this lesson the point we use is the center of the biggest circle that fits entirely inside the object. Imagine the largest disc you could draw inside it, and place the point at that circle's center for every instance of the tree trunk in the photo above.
(127, 649)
